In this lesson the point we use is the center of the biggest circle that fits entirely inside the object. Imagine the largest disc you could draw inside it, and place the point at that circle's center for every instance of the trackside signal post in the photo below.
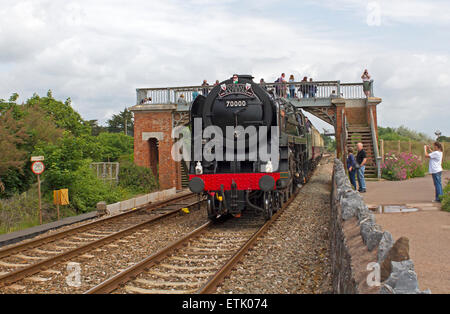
(38, 168)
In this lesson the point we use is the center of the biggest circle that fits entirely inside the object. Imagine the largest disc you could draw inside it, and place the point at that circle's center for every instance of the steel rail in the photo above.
(34, 268)
(211, 285)
(55, 236)
(131, 272)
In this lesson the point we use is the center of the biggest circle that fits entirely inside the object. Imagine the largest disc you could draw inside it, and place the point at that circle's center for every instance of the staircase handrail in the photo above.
(375, 144)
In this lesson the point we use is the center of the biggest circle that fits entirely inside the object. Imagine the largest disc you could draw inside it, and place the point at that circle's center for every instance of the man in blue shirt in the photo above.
(351, 166)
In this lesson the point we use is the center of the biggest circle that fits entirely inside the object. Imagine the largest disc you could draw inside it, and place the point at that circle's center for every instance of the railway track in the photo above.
(195, 263)
(23, 260)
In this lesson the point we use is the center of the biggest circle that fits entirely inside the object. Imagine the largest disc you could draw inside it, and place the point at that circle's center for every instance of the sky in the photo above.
(98, 52)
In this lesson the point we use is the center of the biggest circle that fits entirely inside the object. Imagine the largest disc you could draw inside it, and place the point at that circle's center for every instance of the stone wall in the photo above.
(370, 262)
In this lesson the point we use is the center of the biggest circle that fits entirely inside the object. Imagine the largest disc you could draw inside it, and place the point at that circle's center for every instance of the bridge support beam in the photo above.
(339, 127)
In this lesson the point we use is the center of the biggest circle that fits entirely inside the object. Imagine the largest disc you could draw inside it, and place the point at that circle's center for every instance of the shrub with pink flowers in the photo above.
(402, 166)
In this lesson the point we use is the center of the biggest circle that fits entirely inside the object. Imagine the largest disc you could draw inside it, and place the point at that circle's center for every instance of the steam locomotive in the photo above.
(238, 109)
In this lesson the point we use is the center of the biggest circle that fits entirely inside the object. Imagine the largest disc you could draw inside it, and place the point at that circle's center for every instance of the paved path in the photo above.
(427, 229)
(418, 190)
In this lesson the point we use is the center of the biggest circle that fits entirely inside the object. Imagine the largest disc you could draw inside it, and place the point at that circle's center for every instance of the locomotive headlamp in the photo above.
(269, 167)
(198, 168)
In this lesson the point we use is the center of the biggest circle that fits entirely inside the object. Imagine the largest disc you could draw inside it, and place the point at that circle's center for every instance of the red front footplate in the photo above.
(244, 181)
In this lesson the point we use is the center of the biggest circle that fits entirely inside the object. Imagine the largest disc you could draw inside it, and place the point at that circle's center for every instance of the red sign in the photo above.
(37, 167)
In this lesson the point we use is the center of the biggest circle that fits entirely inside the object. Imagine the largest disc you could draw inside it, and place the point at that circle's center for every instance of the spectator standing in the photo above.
(304, 87)
(435, 168)
(181, 101)
(308, 124)
(263, 84)
(283, 85)
(146, 101)
(312, 88)
(280, 85)
(361, 160)
(366, 82)
(205, 89)
(351, 166)
(216, 83)
(291, 86)
(195, 94)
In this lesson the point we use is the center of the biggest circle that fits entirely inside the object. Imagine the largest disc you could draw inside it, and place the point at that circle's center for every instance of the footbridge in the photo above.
(345, 106)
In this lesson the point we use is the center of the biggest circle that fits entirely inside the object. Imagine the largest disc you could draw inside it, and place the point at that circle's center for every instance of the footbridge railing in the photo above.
(301, 90)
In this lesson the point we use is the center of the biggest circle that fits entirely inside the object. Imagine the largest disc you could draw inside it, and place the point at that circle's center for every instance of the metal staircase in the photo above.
(184, 175)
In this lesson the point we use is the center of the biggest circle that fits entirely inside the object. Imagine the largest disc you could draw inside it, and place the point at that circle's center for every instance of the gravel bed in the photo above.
(293, 256)
(199, 259)
(102, 263)
(64, 228)
(73, 240)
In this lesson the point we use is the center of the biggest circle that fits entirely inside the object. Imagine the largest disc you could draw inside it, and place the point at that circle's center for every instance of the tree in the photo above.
(329, 143)
(62, 113)
(96, 129)
(117, 123)
(13, 97)
(12, 135)
(402, 133)
(443, 138)
(115, 145)
(27, 125)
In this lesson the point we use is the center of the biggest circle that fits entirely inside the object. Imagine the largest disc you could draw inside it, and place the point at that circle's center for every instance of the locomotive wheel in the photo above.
(212, 215)
(267, 205)
(276, 201)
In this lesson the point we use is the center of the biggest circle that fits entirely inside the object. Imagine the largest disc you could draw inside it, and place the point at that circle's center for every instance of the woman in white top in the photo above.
(435, 167)
(366, 82)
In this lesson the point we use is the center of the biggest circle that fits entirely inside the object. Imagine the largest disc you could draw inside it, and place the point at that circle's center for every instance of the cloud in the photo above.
(99, 52)
(396, 11)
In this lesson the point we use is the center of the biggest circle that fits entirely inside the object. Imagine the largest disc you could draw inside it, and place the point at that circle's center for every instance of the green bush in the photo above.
(136, 178)
(86, 190)
(446, 165)
(114, 145)
(446, 198)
